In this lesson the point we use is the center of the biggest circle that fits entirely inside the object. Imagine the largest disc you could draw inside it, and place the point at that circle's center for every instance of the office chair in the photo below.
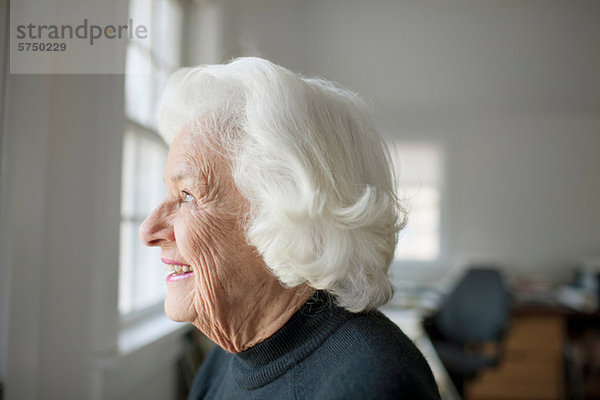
(472, 320)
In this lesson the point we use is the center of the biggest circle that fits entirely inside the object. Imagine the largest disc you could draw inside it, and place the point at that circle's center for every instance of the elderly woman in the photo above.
(279, 226)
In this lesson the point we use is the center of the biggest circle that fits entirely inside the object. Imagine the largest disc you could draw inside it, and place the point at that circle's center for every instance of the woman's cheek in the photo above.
(189, 245)
(199, 246)
(188, 234)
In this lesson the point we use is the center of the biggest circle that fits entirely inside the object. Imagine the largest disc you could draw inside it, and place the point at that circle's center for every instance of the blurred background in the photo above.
(491, 110)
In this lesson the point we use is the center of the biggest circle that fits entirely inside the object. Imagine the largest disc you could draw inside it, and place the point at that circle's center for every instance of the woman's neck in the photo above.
(248, 321)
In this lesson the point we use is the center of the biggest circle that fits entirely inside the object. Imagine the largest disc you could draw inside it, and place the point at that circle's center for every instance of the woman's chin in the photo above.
(177, 304)
(175, 314)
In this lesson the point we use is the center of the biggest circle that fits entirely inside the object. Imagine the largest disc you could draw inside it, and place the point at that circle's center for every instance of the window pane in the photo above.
(417, 162)
(149, 283)
(159, 80)
(150, 165)
(168, 19)
(144, 83)
(128, 175)
(420, 238)
(425, 197)
(149, 63)
(139, 89)
(141, 14)
(141, 273)
(419, 173)
(126, 269)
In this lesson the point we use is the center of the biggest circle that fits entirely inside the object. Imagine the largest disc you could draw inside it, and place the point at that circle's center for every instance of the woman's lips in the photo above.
(172, 262)
(174, 277)
(179, 270)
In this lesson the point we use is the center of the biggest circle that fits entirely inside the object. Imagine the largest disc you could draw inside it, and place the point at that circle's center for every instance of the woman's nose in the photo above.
(157, 228)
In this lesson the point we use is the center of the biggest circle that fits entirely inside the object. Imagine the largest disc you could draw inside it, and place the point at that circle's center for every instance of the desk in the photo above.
(538, 341)
(532, 365)
(411, 323)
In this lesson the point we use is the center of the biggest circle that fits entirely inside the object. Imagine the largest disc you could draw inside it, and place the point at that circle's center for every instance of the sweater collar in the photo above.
(296, 340)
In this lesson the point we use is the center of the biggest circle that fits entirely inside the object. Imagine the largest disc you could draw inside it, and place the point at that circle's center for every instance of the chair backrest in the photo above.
(477, 309)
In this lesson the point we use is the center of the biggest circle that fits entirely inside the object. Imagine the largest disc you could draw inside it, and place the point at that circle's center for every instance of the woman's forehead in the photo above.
(184, 158)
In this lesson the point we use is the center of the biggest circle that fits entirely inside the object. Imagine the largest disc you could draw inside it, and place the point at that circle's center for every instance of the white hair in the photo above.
(308, 158)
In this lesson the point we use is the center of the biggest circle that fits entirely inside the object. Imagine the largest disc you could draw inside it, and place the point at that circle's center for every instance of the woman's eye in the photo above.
(188, 197)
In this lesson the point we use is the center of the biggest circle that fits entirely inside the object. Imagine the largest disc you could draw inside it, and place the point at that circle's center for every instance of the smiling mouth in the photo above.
(176, 272)
(178, 269)
(175, 267)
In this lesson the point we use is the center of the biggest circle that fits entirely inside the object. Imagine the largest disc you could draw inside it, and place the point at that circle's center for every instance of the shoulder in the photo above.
(370, 357)
(374, 337)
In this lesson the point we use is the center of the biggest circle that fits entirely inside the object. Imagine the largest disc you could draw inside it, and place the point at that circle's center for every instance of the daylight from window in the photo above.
(418, 168)
(148, 65)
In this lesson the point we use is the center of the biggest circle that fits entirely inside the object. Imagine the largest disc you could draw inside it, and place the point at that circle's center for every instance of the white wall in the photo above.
(510, 89)
(526, 192)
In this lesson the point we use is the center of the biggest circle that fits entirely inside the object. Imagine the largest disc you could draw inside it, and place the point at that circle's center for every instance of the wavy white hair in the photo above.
(307, 156)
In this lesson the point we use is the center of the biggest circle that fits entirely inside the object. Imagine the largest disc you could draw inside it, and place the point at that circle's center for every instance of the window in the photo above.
(149, 63)
(419, 171)
(144, 157)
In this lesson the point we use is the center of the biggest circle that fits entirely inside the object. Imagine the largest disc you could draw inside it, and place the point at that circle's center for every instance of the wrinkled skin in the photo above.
(231, 297)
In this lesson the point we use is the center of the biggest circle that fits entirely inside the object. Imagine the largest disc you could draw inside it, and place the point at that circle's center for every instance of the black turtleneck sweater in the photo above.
(322, 352)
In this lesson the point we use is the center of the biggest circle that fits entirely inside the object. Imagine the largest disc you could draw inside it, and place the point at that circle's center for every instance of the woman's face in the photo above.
(199, 225)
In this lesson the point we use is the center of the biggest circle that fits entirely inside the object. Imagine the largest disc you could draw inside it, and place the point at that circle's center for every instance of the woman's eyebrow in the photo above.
(177, 176)
(180, 176)
(183, 175)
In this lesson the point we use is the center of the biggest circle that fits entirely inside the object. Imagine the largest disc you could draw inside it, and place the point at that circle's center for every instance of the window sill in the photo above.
(148, 347)
(147, 331)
